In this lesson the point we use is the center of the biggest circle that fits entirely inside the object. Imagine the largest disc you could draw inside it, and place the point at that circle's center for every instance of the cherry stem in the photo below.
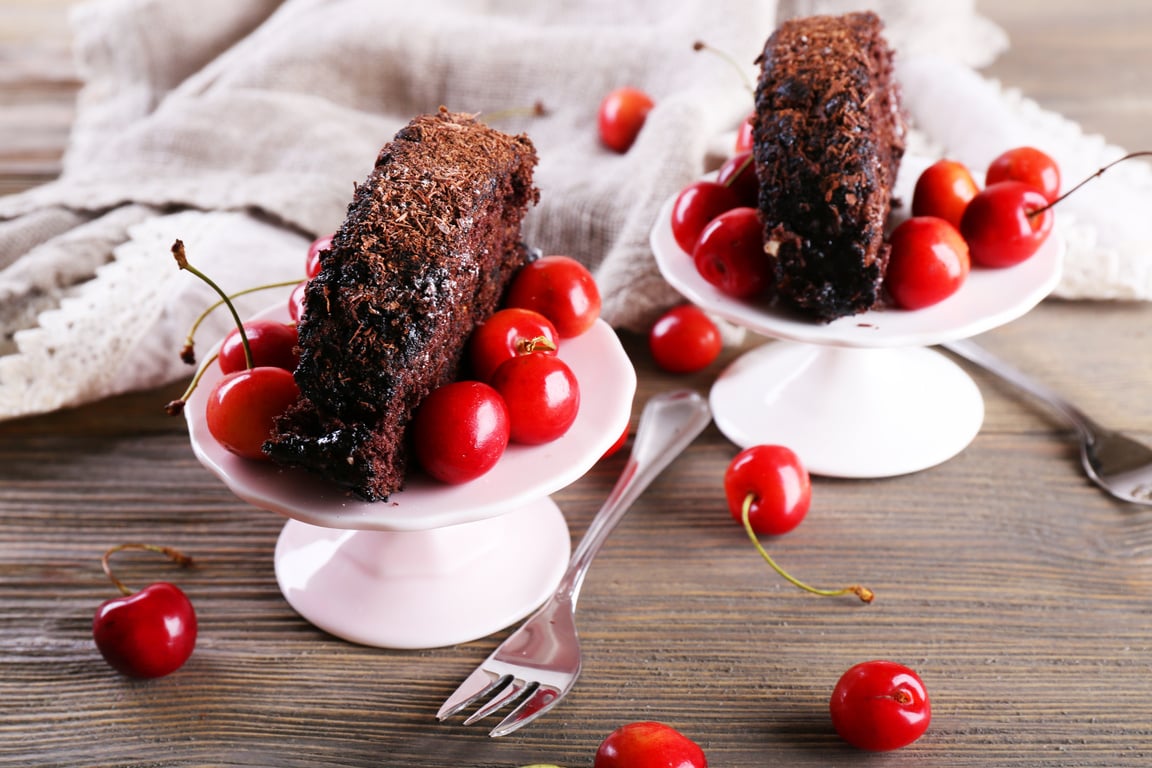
(700, 45)
(187, 354)
(536, 344)
(175, 555)
(176, 407)
(866, 595)
(1098, 173)
(182, 262)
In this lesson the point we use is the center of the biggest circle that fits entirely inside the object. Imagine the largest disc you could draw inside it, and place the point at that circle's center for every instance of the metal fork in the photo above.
(1117, 463)
(538, 664)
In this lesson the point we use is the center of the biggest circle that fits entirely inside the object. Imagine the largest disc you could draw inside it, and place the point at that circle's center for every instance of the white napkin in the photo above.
(240, 126)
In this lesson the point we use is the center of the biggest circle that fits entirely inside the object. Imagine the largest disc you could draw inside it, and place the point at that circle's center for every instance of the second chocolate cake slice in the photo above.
(828, 139)
(431, 239)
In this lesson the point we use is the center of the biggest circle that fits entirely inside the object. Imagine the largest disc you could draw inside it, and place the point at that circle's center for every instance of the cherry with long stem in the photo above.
(149, 633)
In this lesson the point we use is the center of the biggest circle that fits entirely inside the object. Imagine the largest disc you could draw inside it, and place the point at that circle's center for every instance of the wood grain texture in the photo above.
(1021, 594)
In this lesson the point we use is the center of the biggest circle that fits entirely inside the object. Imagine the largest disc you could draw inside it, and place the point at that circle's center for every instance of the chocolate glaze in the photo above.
(828, 137)
(431, 239)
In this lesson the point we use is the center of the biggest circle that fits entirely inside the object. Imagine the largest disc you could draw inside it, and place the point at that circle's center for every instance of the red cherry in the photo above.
(730, 254)
(744, 134)
(243, 406)
(648, 744)
(312, 261)
(150, 633)
(684, 340)
(928, 262)
(1029, 165)
(944, 190)
(769, 491)
(616, 446)
(739, 173)
(506, 334)
(296, 301)
(880, 706)
(272, 343)
(622, 114)
(777, 483)
(696, 206)
(542, 395)
(460, 431)
(560, 288)
(1005, 224)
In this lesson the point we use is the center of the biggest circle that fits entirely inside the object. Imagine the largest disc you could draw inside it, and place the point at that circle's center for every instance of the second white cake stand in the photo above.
(434, 565)
(862, 396)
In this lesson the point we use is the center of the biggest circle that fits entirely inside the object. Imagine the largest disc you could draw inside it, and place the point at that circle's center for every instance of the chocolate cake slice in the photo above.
(430, 241)
(827, 140)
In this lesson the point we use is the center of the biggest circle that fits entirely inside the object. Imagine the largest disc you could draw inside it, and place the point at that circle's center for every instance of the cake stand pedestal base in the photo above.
(847, 411)
(424, 588)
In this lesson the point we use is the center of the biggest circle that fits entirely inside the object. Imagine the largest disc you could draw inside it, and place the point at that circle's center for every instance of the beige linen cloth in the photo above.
(240, 126)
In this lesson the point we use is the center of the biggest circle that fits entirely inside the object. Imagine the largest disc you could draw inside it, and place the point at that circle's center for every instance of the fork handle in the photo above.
(668, 423)
(974, 353)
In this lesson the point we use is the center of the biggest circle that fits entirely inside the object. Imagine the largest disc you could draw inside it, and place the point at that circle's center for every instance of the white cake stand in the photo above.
(862, 396)
(434, 565)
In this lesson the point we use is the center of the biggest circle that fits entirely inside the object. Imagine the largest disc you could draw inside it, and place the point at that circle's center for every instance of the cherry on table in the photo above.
(460, 431)
(880, 706)
(928, 262)
(150, 633)
(648, 744)
(773, 483)
(769, 491)
(684, 340)
(622, 114)
(944, 190)
(1005, 224)
(560, 288)
(616, 446)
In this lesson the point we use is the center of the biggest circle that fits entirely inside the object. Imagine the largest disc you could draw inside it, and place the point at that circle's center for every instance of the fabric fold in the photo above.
(242, 126)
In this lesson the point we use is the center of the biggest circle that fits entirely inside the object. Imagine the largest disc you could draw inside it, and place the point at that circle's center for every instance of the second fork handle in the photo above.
(974, 353)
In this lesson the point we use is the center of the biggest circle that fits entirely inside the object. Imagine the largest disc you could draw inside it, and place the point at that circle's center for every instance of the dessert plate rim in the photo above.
(524, 474)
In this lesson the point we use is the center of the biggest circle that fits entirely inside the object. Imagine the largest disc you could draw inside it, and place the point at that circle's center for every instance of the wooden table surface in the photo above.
(1019, 592)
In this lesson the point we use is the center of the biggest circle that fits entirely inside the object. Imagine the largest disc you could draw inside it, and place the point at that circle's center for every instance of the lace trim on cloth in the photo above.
(122, 329)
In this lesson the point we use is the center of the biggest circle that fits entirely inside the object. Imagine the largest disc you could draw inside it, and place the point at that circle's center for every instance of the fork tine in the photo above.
(505, 696)
(477, 685)
(542, 699)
